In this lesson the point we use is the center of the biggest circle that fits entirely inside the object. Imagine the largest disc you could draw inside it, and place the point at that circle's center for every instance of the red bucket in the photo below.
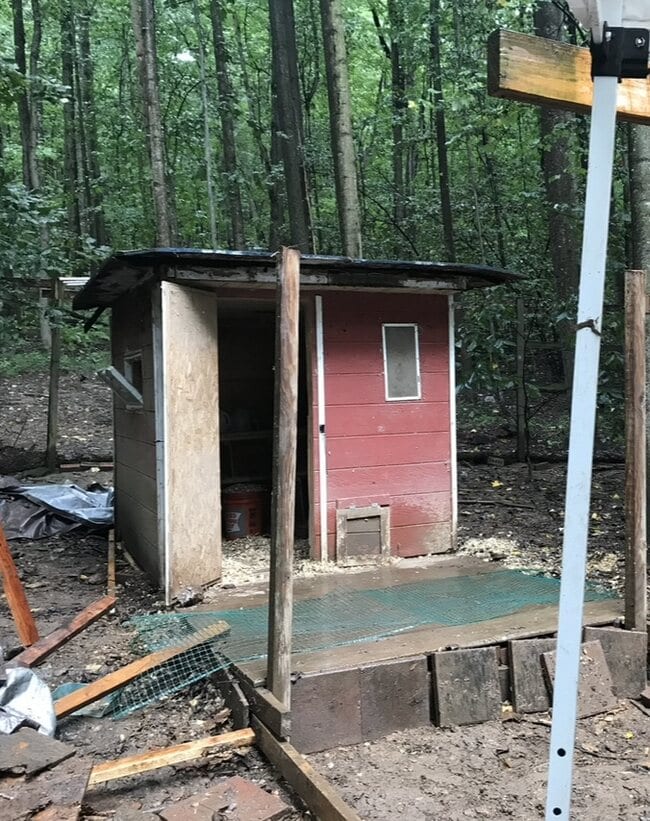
(243, 512)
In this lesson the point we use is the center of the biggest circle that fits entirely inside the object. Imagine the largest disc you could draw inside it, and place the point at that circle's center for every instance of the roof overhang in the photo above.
(127, 270)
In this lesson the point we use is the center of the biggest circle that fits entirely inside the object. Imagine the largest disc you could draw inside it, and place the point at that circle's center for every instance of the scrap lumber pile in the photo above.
(43, 778)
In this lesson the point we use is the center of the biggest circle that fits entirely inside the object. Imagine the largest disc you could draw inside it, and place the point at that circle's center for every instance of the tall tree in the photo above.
(559, 182)
(440, 124)
(226, 99)
(144, 29)
(26, 113)
(341, 132)
(286, 94)
(70, 153)
(207, 138)
(89, 118)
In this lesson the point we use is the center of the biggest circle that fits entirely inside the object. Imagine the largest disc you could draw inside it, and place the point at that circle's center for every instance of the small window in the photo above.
(133, 370)
(401, 362)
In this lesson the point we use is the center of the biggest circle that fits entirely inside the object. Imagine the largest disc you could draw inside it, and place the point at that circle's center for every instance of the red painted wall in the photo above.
(386, 452)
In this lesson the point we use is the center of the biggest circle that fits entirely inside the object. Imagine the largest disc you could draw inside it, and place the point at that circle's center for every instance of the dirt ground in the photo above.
(496, 770)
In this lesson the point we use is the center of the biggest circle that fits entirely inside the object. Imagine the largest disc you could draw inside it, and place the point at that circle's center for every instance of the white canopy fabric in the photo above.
(636, 14)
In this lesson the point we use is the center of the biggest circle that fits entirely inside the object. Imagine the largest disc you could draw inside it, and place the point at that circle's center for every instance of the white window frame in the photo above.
(416, 333)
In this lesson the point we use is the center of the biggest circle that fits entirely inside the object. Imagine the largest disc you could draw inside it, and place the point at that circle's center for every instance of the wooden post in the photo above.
(285, 435)
(15, 593)
(51, 456)
(522, 449)
(635, 453)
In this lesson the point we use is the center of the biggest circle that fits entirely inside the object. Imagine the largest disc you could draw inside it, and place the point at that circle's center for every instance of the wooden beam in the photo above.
(153, 760)
(113, 681)
(285, 437)
(41, 649)
(636, 609)
(317, 793)
(544, 72)
(15, 593)
(111, 585)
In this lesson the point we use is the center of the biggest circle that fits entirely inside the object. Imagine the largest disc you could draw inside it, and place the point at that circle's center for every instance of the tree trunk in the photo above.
(207, 140)
(399, 104)
(560, 195)
(143, 17)
(341, 134)
(639, 143)
(226, 98)
(289, 114)
(70, 169)
(27, 127)
(441, 131)
(87, 104)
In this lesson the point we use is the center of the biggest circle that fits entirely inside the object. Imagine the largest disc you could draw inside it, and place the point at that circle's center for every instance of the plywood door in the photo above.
(192, 487)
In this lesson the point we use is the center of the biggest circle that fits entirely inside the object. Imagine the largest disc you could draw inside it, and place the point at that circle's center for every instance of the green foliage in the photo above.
(499, 200)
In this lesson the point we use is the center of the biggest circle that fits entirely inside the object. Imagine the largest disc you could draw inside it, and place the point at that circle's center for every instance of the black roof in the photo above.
(126, 270)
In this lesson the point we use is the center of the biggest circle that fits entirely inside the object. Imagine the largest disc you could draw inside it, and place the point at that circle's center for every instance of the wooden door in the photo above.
(191, 481)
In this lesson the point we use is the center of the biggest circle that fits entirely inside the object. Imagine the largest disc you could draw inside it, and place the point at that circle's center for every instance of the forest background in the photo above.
(355, 127)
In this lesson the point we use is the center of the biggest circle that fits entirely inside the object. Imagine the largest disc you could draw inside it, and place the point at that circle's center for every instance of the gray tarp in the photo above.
(39, 511)
(25, 701)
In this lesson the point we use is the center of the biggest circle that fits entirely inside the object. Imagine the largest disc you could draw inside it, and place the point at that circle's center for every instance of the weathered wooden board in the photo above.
(192, 483)
(545, 72)
(466, 686)
(155, 759)
(595, 694)
(529, 689)
(319, 796)
(15, 593)
(395, 695)
(626, 653)
(41, 649)
(389, 419)
(326, 711)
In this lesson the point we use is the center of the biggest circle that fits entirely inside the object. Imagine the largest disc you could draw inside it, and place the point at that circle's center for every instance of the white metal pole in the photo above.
(581, 438)
(322, 440)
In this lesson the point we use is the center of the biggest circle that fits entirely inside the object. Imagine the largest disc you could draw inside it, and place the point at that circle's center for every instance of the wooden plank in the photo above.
(595, 694)
(399, 479)
(387, 449)
(466, 686)
(266, 706)
(16, 598)
(155, 759)
(113, 681)
(395, 695)
(387, 418)
(44, 647)
(636, 571)
(530, 693)
(285, 440)
(545, 72)
(111, 584)
(191, 438)
(367, 357)
(421, 539)
(326, 710)
(625, 653)
(234, 699)
(361, 389)
(317, 793)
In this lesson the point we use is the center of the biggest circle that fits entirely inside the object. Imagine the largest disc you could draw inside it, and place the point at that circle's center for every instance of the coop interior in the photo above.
(246, 388)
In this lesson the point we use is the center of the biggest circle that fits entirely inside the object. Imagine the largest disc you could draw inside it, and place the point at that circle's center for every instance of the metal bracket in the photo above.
(623, 53)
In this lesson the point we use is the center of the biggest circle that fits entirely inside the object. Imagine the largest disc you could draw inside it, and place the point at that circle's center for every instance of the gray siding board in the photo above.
(135, 439)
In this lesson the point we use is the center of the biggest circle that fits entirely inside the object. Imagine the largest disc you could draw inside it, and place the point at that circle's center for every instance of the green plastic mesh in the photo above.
(336, 619)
